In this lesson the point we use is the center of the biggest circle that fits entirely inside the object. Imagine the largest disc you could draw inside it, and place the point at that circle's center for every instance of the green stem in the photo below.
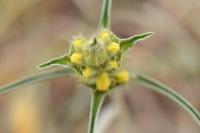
(168, 92)
(105, 20)
(96, 103)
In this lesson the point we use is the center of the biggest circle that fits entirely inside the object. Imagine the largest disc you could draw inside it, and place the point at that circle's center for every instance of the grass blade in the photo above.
(105, 20)
(168, 92)
(35, 79)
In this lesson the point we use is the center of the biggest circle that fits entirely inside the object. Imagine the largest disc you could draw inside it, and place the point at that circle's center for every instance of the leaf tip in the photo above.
(41, 66)
(148, 34)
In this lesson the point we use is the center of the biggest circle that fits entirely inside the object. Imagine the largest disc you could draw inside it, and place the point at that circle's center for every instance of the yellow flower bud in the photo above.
(103, 82)
(113, 64)
(104, 35)
(78, 44)
(87, 72)
(122, 76)
(113, 48)
(76, 58)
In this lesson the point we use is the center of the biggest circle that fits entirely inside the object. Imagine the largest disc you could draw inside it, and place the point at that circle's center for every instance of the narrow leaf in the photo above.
(128, 43)
(35, 79)
(63, 61)
(168, 92)
(105, 20)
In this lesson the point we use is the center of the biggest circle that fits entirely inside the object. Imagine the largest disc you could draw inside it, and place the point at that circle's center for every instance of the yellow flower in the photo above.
(113, 64)
(78, 43)
(87, 72)
(103, 82)
(76, 58)
(113, 48)
(122, 76)
(104, 35)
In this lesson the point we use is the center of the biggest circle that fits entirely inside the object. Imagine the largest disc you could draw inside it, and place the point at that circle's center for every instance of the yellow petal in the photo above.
(87, 72)
(103, 82)
(76, 58)
(113, 48)
(122, 76)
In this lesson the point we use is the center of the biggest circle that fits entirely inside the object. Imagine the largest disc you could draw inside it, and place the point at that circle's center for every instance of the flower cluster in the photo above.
(98, 60)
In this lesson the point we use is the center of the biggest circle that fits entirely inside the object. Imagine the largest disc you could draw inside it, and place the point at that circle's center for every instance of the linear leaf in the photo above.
(128, 43)
(168, 92)
(105, 20)
(63, 61)
(35, 79)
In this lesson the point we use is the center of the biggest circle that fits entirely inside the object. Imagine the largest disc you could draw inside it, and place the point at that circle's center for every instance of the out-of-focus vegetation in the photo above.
(32, 31)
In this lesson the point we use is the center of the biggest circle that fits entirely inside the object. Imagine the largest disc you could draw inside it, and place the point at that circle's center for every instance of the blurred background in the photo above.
(34, 31)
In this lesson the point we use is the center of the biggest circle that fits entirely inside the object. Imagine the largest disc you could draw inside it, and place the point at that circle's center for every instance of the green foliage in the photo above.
(128, 43)
(60, 61)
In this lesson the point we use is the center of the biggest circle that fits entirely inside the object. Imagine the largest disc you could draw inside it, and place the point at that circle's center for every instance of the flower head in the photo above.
(100, 57)
(97, 60)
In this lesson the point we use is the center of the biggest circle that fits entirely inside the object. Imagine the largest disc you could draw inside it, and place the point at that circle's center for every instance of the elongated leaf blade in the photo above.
(105, 20)
(62, 61)
(34, 79)
(128, 43)
(168, 92)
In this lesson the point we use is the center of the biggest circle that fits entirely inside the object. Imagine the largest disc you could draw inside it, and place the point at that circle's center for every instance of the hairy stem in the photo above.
(96, 103)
